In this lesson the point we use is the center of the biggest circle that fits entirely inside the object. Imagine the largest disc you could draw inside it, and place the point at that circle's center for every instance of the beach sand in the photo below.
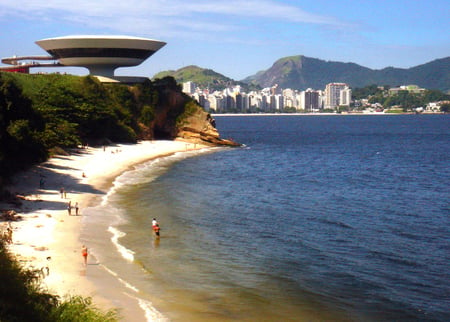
(47, 237)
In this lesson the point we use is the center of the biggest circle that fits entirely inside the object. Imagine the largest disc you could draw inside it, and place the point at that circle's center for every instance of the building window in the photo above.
(101, 52)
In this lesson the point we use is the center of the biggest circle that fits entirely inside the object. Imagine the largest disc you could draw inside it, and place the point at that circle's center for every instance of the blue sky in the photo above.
(240, 37)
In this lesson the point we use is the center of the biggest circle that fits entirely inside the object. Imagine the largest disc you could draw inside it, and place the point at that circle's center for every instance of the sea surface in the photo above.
(315, 218)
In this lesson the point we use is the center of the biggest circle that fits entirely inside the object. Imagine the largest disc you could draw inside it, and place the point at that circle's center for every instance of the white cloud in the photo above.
(162, 17)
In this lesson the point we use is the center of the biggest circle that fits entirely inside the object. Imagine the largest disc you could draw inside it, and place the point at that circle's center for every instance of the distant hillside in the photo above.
(201, 76)
(300, 72)
(205, 78)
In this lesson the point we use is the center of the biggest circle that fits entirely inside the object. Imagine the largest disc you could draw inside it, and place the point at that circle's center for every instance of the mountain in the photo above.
(205, 78)
(201, 76)
(300, 72)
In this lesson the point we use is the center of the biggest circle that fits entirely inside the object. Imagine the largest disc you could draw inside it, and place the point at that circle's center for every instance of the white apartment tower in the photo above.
(310, 100)
(333, 96)
(345, 97)
(189, 88)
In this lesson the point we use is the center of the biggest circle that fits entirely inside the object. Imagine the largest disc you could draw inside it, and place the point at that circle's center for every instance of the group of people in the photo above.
(63, 193)
(69, 208)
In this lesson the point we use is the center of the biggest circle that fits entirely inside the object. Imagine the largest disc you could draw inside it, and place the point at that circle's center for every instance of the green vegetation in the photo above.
(23, 299)
(44, 113)
(404, 99)
(445, 108)
(204, 78)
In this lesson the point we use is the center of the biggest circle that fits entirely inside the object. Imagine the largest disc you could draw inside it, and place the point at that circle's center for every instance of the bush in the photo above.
(23, 299)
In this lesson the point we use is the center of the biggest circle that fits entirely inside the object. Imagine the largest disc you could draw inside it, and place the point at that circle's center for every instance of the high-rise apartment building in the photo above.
(310, 100)
(189, 87)
(333, 97)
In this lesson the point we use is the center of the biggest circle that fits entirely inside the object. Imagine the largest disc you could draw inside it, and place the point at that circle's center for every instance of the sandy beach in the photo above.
(47, 237)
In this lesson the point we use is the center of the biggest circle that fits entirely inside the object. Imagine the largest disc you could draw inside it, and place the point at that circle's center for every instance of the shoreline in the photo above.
(48, 238)
(323, 114)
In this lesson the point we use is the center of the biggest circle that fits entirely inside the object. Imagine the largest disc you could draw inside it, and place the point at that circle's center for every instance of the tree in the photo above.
(445, 107)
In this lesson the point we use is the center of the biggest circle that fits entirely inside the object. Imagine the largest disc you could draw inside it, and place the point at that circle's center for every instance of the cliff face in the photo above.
(178, 116)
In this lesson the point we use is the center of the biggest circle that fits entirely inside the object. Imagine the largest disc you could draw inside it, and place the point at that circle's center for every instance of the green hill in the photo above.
(204, 78)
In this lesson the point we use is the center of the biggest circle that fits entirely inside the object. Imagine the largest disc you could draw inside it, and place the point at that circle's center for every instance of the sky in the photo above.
(238, 38)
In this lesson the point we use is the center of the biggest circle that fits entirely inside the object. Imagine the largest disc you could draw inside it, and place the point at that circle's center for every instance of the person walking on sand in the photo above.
(69, 208)
(84, 253)
(76, 208)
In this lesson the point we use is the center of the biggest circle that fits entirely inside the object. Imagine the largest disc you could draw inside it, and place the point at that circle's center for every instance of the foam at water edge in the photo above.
(125, 252)
(125, 283)
(151, 314)
(158, 164)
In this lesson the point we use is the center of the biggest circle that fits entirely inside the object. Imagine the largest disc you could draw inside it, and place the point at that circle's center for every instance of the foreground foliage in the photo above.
(39, 113)
(23, 299)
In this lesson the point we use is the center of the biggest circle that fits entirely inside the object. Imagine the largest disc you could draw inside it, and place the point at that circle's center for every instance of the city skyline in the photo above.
(239, 38)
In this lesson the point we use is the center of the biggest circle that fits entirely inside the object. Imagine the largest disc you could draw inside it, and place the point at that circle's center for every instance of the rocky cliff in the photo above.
(180, 117)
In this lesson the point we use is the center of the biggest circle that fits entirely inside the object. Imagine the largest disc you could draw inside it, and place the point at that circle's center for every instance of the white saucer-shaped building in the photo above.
(100, 54)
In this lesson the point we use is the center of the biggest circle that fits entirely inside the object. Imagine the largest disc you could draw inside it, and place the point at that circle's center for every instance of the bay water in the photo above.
(315, 218)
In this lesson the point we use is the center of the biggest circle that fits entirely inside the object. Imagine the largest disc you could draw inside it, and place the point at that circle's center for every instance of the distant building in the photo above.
(310, 100)
(333, 96)
(410, 88)
(345, 97)
(277, 102)
(189, 88)
(289, 98)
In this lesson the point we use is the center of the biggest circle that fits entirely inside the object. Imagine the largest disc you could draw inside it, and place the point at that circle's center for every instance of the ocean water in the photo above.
(316, 218)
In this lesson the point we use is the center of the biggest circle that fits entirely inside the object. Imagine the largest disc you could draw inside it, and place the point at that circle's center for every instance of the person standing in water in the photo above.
(155, 227)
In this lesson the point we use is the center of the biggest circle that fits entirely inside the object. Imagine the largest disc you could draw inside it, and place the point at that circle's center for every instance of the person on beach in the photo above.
(61, 191)
(8, 235)
(76, 208)
(69, 208)
(84, 253)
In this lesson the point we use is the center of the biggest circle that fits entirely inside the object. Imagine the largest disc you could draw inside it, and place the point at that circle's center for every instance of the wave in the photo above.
(123, 282)
(151, 313)
(126, 253)
(156, 166)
